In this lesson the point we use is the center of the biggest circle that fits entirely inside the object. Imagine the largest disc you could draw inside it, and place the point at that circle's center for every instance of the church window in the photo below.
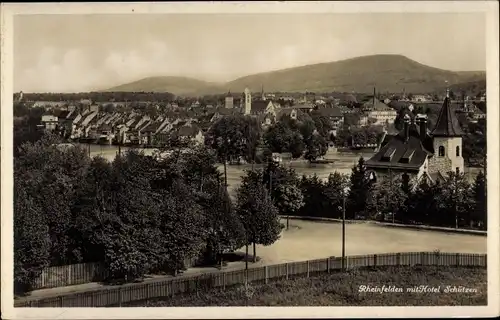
(458, 151)
(441, 151)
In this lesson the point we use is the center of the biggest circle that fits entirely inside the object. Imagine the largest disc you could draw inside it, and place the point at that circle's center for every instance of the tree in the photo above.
(360, 189)
(296, 146)
(455, 202)
(93, 209)
(315, 204)
(252, 139)
(32, 240)
(54, 175)
(389, 197)
(131, 238)
(480, 204)
(224, 229)
(257, 212)
(316, 147)
(229, 137)
(283, 186)
(322, 123)
(279, 137)
(334, 193)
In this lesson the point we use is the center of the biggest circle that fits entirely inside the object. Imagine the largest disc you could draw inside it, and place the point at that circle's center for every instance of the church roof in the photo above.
(259, 106)
(377, 105)
(447, 124)
(330, 111)
(399, 153)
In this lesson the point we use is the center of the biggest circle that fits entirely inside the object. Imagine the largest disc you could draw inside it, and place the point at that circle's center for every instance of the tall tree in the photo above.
(316, 147)
(229, 138)
(455, 204)
(315, 202)
(279, 137)
(54, 173)
(32, 240)
(389, 197)
(334, 193)
(480, 204)
(257, 212)
(283, 185)
(360, 189)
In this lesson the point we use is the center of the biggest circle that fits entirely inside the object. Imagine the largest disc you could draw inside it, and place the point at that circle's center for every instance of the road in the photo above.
(308, 240)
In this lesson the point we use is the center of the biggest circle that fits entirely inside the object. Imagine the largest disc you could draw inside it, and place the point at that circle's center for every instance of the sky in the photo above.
(76, 53)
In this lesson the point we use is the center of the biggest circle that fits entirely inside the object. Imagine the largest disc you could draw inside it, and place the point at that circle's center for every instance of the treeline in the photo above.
(306, 136)
(100, 96)
(452, 203)
(138, 214)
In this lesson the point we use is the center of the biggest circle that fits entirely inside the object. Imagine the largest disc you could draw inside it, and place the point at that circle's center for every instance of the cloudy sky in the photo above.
(71, 53)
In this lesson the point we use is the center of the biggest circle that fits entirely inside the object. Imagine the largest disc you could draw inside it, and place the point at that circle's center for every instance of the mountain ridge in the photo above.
(386, 72)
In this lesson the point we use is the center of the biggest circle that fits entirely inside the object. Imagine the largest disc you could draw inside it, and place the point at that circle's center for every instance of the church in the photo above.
(419, 152)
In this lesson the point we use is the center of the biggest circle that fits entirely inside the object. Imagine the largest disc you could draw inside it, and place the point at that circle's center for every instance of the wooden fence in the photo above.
(69, 275)
(74, 274)
(114, 297)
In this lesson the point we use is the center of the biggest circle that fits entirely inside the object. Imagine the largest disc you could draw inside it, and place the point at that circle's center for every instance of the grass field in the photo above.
(343, 289)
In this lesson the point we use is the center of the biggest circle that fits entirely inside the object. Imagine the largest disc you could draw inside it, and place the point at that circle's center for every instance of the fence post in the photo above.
(398, 259)
(457, 261)
(286, 266)
(328, 265)
(119, 297)
(422, 259)
(374, 260)
(224, 281)
(308, 268)
(266, 274)
(61, 301)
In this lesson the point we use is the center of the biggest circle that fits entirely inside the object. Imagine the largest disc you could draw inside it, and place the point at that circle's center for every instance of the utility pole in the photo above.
(246, 258)
(391, 188)
(343, 229)
(455, 201)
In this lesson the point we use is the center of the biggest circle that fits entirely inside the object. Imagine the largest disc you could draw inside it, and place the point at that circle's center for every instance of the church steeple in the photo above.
(263, 97)
(447, 124)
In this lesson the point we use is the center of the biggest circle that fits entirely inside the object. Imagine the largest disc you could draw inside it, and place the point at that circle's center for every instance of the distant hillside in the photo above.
(175, 85)
(388, 73)
(471, 88)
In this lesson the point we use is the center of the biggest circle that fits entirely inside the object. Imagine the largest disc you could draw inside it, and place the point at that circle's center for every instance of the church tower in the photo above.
(248, 101)
(447, 141)
(262, 95)
(229, 101)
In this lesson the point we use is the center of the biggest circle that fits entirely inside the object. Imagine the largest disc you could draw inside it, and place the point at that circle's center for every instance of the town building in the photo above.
(420, 98)
(420, 153)
(379, 111)
(49, 122)
(229, 101)
(334, 115)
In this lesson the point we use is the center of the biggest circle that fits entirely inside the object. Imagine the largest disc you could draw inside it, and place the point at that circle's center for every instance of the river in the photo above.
(343, 164)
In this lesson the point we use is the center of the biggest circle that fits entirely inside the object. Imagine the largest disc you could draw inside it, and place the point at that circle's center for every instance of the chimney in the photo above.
(406, 122)
(422, 123)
